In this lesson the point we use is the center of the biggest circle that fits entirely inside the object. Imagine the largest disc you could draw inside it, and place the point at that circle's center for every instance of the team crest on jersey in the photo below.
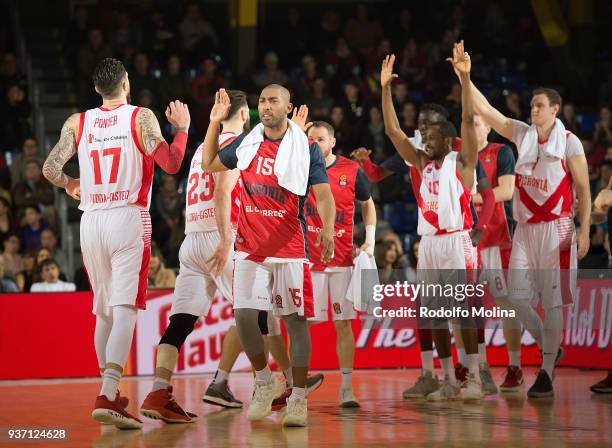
(337, 308)
(343, 180)
(429, 169)
(279, 300)
(488, 158)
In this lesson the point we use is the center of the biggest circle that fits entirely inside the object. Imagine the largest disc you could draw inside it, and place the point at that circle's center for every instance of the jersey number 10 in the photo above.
(208, 187)
(115, 153)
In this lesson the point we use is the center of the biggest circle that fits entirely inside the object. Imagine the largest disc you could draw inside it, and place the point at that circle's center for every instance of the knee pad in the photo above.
(181, 326)
(249, 332)
(262, 320)
(297, 327)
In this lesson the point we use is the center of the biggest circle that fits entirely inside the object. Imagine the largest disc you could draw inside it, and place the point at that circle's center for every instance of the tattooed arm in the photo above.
(168, 157)
(60, 154)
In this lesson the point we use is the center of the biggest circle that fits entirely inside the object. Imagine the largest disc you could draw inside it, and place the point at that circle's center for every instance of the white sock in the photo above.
(298, 392)
(110, 383)
(515, 358)
(449, 369)
(462, 356)
(220, 376)
(264, 375)
(288, 376)
(346, 377)
(474, 365)
(427, 364)
(553, 332)
(482, 352)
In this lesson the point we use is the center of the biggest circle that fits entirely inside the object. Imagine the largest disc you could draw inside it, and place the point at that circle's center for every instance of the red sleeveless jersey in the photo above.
(497, 232)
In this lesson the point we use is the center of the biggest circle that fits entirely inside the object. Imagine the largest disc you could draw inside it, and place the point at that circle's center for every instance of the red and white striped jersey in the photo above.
(427, 200)
(200, 210)
(114, 170)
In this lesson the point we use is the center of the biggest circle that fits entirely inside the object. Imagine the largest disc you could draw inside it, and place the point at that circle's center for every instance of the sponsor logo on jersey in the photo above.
(343, 182)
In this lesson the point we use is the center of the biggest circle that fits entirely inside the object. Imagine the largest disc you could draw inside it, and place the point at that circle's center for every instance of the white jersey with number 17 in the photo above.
(114, 170)
(200, 211)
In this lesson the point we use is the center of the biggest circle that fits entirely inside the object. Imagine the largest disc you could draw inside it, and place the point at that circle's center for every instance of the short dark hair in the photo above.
(49, 262)
(323, 124)
(34, 161)
(33, 207)
(108, 75)
(553, 96)
(436, 108)
(447, 129)
(238, 100)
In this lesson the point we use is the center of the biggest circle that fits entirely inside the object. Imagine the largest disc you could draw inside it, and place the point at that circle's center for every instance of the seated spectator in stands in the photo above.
(30, 232)
(605, 174)
(387, 257)
(362, 32)
(390, 235)
(6, 219)
(15, 109)
(203, 89)
(351, 102)
(48, 240)
(342, 63)
(342, 131)
(13, 263)
(159, 275)
(512, 106)
(169, 204)
(413, 65)
(90, 53)
(413, 259)
(400, 94)
(29, 151)
(10, 74)
(295, 34)
(7, 284)
(270, 74)
(159, 38)
(25, 278)
(198, 35)
(319, 102)
(141, 77)
(602, 135)
(50, 275)
(146, 100)
(374, 136)
(305, 77)
(125, 36)
(173, 84)
(568, 118)
(81, 280)
(328, 31)
(36, 191)
(409, 118)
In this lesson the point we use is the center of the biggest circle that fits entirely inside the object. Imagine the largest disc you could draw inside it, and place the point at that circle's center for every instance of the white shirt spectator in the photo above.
(58, 286)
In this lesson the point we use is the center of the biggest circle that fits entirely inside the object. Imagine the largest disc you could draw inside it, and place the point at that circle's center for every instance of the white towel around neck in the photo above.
(450, 190)
(528, 151)
(292, 164)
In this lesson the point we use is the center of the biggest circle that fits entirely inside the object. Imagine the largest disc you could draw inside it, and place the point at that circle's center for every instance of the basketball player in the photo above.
(331, 280)
(117, 146)
(211, 216)
(551, 165)
(441, 248)
(271, 270)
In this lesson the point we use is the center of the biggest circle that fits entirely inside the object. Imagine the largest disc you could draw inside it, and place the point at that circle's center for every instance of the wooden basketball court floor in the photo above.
(575, 417)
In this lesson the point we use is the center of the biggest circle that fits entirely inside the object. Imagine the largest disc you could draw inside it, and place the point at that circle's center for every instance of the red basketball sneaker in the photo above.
(123, 402)
(113, 412)
(161, 405)
(513, 380)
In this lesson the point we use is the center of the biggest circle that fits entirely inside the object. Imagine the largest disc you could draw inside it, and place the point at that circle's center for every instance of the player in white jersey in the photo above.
(117, 146)
(443, 197)
(206, 264)
(550, 169)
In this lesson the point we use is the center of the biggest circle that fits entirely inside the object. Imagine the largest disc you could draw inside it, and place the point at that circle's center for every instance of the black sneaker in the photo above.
(542, 387)
(220, 394)
(314, 382)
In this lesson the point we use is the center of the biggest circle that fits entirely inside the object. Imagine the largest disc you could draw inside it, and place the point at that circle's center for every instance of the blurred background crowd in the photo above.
(328, 54)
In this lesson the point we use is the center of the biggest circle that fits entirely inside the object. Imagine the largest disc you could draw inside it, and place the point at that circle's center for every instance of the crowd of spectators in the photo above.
(329, 57)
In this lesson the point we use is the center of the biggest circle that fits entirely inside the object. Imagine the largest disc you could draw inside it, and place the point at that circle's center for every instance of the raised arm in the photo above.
(392, 127)
(482, 107)
(210, 150)
(168, 157)
(469, 145)
(65, 148)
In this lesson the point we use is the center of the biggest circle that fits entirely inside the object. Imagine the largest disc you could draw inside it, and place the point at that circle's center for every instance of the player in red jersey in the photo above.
(331, 280)
(444, 196)
(278, 165)
(117, 146)
(550, 168)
